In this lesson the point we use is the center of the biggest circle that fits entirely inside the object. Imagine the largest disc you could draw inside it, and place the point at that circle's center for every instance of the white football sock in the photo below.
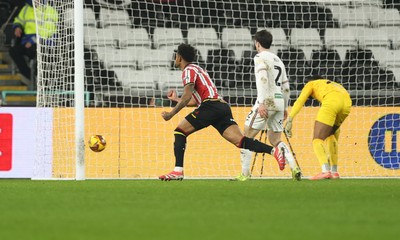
(245, 159)
(178, 169)
(288, 155)
(326, 167)
(334, 168)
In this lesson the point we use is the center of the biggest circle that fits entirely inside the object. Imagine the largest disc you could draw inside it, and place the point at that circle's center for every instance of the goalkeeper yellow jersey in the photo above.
(320, 90)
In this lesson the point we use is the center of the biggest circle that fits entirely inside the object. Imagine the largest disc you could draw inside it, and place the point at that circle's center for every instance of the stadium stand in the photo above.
(111, 17)
(386, 17)
(170, 80)
(100, 37)
(237, 39)
(307, 39)
(350, 43)
(347, 16)
(340, 39)
(167, 38)
(133, 38)
(114, 58)
(203, 39)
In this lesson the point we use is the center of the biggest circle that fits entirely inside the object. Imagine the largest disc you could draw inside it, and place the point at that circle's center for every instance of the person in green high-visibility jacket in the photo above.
(28, 32)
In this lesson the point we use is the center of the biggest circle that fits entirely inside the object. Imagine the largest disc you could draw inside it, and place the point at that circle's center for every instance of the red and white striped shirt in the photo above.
(203, 86)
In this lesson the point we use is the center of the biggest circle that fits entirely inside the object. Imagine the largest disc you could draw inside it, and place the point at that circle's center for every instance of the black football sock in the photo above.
(255, 145)
(179, 147)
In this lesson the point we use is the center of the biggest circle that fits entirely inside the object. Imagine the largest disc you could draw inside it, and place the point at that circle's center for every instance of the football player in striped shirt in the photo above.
(199, 90)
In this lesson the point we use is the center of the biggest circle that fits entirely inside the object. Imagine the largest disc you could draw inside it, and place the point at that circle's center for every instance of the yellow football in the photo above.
(97, 143)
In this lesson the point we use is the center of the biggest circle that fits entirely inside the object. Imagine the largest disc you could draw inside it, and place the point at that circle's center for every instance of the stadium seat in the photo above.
(390, 60)
(167, 38)
(111, 17)
(155, 58)
(340, 39)
(113, 58)
(133, 37)
(89, 19)
(371, 11)
(136, 79)
(307, 39)
(170, 80)
(237, 39)
(346, 16)
(99, 37)
(203, 39)
(393, 33)
(372, 37)
(375, 39)
(386, 17)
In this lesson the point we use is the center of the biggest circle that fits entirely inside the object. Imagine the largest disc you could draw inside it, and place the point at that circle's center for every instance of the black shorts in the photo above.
(212, 112)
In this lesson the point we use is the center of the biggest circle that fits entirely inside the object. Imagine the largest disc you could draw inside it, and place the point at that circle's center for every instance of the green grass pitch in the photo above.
(200, 209)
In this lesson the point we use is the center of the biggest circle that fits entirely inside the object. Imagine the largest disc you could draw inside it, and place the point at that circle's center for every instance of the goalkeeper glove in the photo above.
(288, 127)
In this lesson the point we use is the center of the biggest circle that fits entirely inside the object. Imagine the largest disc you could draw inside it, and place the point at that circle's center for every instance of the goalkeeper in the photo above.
(211, 109)
(335, 107)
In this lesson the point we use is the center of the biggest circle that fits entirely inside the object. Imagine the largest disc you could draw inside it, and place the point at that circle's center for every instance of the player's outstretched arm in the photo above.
(173, 96)
(182, 102)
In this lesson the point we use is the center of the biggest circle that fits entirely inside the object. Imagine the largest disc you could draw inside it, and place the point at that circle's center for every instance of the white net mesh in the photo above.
(129, 48)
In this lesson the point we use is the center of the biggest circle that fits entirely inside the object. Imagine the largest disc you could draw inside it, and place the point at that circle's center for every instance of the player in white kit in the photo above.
(270, 109)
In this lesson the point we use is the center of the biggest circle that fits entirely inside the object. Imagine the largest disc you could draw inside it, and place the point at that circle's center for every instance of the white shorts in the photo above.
(274, 122)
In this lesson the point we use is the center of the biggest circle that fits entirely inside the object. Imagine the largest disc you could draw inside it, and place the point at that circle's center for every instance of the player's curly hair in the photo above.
(187, 52)
(264, 38)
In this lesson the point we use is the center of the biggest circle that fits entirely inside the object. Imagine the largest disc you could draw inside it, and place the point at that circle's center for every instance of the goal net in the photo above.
(129, 66)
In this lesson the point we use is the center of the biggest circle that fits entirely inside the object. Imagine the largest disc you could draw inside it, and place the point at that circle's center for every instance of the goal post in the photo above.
(60, 82)
(79, 88)
(104, 67)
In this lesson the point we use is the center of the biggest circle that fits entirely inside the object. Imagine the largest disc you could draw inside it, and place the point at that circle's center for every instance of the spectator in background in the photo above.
(25, 45)
(25, 30)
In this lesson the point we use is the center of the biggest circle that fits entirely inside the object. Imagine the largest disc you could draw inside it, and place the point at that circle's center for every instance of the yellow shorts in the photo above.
(334, 109)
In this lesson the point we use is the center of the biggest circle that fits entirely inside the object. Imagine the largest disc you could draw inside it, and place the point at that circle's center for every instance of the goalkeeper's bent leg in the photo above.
(332, 144)
(321, 153)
